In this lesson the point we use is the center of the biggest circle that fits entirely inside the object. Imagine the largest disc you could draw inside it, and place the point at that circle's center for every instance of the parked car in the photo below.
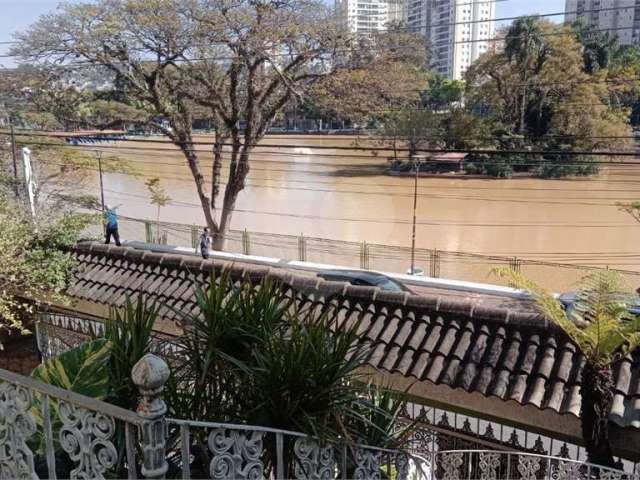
(365, 279)
(568, 300)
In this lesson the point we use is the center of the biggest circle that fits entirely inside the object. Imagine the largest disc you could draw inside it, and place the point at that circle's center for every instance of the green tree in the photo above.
(598, 47)
(242, 63)
(34, 260)
(410, 128)
(443, 93)
(565, 107)
(159, 198)
(603, 329)
(526, 45)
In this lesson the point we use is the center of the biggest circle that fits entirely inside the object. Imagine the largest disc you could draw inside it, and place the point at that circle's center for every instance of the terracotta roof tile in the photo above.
(499, 352)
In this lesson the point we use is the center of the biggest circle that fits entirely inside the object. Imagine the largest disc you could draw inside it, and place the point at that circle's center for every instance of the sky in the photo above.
(16, 15)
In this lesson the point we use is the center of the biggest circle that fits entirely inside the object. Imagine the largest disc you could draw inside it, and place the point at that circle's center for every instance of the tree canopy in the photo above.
(236, 64)
(33, 262)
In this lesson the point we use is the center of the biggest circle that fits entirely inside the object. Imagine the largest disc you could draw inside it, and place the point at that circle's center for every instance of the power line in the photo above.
(354, 147)
(342, 166)
(386, 194)
(623, 153)
(114, 138)
(389, 221)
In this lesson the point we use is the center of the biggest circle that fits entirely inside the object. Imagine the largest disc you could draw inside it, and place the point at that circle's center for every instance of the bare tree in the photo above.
(242, 61)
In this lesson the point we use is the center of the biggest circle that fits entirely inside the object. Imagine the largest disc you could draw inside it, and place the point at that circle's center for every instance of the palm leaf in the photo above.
(84, 369)
(600, 322)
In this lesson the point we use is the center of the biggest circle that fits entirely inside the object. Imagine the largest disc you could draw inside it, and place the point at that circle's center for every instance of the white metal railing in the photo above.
(246, 451)
(46, 431)
(499, 465)
(86, 432)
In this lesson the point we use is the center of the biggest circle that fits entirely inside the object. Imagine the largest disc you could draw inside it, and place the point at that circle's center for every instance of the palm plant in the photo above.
(128, 330)
(525, 43)
(302, 376)
(378, 418)
(84, 370)
(250, 354)
(603, 329)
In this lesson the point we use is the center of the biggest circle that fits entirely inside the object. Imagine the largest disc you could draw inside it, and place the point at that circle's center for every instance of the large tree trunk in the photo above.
(237, 175)
(597, 397)
(216, 171)
(523, 106)
(205, 201)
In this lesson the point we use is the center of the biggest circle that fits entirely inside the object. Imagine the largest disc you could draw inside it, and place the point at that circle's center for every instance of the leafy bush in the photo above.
(34, 260)
(559, 170)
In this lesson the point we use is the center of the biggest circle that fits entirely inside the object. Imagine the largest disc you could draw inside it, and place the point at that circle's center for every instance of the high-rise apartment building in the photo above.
(458, 31)
(620, 18)
(369, 16)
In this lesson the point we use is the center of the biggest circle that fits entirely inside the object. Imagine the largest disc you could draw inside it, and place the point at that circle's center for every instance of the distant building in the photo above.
(457, 30)
(369, 16)
(620, 18)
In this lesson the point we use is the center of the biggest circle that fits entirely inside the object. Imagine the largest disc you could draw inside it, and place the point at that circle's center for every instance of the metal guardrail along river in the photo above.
(464, 266)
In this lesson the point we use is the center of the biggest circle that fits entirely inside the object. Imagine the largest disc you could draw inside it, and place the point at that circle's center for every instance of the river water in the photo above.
(342, 194)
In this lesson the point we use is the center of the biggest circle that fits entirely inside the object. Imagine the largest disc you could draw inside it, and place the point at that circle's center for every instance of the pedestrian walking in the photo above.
(204, 243)
(111, 224)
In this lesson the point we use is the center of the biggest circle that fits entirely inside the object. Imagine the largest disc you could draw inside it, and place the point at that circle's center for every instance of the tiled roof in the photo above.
(498, 352)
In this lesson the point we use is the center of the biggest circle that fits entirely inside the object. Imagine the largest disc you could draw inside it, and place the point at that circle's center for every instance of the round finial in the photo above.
(150, 372)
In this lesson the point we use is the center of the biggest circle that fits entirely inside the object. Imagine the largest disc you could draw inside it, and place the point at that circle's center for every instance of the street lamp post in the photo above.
(416, 164)
(15, 159)
(99, 158)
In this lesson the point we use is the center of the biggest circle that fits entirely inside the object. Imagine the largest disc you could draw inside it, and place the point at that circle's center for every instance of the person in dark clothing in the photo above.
(111, 224)
(204, 243)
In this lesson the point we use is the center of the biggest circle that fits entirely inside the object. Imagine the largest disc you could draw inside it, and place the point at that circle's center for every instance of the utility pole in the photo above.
(99, 158)
(15, 160)
(416, 164)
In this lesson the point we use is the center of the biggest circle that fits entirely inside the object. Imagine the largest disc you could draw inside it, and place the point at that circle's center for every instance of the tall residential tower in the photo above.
(458, 31)
(620, 18)
(369, 16)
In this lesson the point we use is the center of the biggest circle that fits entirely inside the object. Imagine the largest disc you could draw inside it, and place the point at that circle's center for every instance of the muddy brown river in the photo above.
(343, 194)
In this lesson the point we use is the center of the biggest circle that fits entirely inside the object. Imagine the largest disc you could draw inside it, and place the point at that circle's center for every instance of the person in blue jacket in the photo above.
(111, 224)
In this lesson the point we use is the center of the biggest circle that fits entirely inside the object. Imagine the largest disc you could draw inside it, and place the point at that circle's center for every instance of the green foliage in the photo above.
(83, 369)
(539, 89)
(230, 322)
(559, 169)
(248, 355)
(34, 259)
(600, 323)
(598, 47)
(442, 93)
(632, 208)
(411, 128)
(128, 329)
(301, 377)
(378, 418)
(158, 195)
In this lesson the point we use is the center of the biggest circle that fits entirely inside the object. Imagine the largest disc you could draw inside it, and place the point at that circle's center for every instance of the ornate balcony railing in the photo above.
(239, 451)
(48, 432)
(498, 465)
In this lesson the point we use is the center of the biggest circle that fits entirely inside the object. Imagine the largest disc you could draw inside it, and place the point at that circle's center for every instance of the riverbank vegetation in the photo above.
(546, 90)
